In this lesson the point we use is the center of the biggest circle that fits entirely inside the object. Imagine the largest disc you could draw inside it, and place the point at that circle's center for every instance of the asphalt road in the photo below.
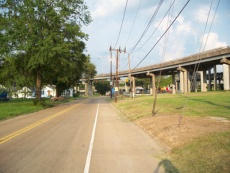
(86, 135)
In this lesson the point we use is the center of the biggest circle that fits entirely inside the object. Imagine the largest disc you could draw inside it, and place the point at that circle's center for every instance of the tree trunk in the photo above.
(38, 86)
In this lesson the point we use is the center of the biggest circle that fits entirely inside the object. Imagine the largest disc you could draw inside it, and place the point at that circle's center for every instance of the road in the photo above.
(86, 135)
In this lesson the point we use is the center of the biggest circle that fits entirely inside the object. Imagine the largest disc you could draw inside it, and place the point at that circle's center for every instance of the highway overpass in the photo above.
(185, 71)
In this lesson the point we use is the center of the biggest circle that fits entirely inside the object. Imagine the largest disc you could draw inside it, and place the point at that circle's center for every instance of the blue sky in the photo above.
(183, 39)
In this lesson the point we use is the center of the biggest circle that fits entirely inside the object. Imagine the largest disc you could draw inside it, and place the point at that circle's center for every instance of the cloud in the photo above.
(202, 13)
(183, 27)
(177, 37)
(212, 42)
(105, 8)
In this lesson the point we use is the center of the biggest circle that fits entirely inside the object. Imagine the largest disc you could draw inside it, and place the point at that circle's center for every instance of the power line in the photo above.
(200, 50)
(133, 22)
(171, 4)
(121, 24)
(162, 35)
(156, 27)
(198, 61)
(148, 25)
(196, 68)
(132, 29)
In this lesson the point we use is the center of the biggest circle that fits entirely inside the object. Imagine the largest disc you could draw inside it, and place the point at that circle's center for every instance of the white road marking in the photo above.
(87, 164)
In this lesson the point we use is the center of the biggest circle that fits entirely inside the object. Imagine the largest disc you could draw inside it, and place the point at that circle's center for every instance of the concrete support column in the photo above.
(173, 84)
(152, 81)
(194, 87)
(204, 84)
(134, 86)
(226, 76)
(209, 80)
(201, 81)
(185, 81)
(215, 77)
(176, 86)
(182, 81)
(189, 82)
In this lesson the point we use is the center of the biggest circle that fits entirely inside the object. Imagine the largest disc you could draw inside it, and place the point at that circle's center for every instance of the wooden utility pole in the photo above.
(111, 78)
(117, 73)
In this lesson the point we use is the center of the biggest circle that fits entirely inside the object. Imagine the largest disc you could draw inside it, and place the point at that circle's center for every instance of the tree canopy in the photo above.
(42, 42)
(102, 87)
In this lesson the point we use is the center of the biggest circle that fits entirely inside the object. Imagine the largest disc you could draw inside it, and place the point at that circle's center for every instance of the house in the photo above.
(25, 92)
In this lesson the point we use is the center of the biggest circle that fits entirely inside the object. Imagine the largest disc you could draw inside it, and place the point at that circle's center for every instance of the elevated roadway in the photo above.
(186, 70)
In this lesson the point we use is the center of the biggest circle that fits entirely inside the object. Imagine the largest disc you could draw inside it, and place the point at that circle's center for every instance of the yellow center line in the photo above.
(23, 130)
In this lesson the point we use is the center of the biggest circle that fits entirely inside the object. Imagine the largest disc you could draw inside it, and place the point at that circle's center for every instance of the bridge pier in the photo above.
(226, 76)
(183, 79)
(214, 78)
(132, 87)
(203, 81)
(152, 82)
(174, 85)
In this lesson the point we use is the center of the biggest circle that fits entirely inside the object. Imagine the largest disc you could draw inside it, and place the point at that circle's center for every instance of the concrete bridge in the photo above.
(186, 71)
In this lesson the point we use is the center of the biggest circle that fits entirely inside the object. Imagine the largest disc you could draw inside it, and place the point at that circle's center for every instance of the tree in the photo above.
(163, 81)
(42, 41)
(102, 87)
(88, 75)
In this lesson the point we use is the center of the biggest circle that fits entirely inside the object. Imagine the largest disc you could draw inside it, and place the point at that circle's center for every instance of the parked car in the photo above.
(4, 96)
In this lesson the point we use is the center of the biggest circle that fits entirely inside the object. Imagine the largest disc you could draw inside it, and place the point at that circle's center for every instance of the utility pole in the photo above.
(117, 73)
(130, 78)
(111, 80)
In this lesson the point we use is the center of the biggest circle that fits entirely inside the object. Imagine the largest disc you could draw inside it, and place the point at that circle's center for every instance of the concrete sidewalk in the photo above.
(121, 146)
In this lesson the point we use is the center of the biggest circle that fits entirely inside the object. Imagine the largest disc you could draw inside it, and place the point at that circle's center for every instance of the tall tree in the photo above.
(42, 41)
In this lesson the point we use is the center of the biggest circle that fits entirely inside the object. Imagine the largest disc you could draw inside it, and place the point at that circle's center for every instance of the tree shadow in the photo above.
(167, 166)
(204, 101)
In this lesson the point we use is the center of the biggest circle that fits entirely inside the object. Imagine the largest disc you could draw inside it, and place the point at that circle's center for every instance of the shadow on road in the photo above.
(167, 166)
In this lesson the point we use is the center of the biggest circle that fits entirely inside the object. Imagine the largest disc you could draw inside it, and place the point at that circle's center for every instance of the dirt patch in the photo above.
(166, 130)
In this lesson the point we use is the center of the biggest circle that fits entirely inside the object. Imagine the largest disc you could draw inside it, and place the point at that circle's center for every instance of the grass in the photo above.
(17, 107)
(208, 154)
(205, 154)
(193, 104)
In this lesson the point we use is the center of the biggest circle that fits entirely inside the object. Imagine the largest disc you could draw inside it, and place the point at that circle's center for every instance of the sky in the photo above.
(200, 26)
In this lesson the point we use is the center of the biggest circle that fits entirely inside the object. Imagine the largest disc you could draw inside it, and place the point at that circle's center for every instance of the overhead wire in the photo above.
(200, 49)
(134, 21)
(154, 111)
(156, 27)
(161, 35)
(148, 25)
(196, 68)
(171, 4)
(121, 23)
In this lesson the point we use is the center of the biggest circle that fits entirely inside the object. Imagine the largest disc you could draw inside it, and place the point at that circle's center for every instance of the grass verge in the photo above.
(209, 153)
(17, 107)
(195, 104)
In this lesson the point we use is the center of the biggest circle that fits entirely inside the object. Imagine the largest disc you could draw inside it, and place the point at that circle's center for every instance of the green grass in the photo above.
(16, 107)
(193, 104)
(209, 154)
